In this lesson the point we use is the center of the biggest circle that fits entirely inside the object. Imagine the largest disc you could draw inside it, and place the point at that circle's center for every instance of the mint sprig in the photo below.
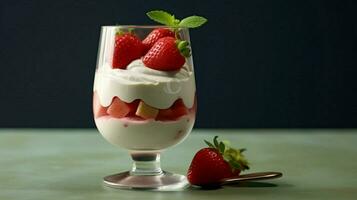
(162, 17)
(168, 19)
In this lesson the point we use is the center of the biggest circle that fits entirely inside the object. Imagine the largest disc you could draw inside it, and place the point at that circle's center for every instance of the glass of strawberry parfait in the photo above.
(145, 96)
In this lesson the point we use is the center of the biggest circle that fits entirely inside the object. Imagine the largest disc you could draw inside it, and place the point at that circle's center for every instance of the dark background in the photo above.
(259, 64)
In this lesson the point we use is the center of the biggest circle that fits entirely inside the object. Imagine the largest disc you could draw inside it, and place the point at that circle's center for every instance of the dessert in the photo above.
(134, 105)
(145, 98)
(144, 95)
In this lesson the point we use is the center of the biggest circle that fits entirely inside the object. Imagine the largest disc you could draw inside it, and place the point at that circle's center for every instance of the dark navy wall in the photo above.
(258, 63)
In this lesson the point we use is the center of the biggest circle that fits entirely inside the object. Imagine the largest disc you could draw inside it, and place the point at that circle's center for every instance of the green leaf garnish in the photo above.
(192, 22)
(168, 19)
(162, 17)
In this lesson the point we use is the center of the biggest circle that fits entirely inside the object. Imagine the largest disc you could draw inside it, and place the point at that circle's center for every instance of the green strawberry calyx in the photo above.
(234, 157)
(184, 47)
(168, 19)
(119, 31)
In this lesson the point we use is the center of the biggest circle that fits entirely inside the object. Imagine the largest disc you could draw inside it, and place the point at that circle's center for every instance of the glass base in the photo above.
(165, 181)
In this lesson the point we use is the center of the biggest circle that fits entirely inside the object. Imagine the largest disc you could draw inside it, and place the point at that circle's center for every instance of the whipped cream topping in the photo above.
(159, 89)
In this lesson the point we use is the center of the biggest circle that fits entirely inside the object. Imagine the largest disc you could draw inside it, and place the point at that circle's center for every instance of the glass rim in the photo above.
(140, 26)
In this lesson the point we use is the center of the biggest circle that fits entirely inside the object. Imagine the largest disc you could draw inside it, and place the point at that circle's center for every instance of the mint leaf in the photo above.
(192, 22)
(162, 17)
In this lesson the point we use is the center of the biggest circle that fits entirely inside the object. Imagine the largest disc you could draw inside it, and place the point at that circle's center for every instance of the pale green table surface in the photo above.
(69, 164)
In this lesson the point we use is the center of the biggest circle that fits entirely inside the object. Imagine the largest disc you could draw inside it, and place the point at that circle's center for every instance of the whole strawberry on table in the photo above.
(216, 162)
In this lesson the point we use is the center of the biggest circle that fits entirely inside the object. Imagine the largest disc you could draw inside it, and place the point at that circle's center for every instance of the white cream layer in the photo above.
(144, 135)
(159, 89)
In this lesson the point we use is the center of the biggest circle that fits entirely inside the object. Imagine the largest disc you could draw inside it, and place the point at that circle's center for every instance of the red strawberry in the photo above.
(177, 110)
(132, 107)
(126, 49)
(118, 108)
(98, 110)
(210, 165)
(155, 35)
(167, 54)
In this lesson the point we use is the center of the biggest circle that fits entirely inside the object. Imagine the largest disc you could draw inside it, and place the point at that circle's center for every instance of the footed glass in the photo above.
(140, 107)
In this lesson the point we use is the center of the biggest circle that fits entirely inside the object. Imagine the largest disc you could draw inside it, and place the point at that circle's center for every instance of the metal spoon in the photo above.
(251, 177)
(244, 177)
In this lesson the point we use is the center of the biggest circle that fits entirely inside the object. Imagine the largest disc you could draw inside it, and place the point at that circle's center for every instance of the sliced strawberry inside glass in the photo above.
(177, 110)
(165, 114)
(133, 106)
(98, 110)
(118, 108)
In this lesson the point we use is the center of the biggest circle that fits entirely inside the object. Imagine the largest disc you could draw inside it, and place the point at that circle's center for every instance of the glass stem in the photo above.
(146, 164)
